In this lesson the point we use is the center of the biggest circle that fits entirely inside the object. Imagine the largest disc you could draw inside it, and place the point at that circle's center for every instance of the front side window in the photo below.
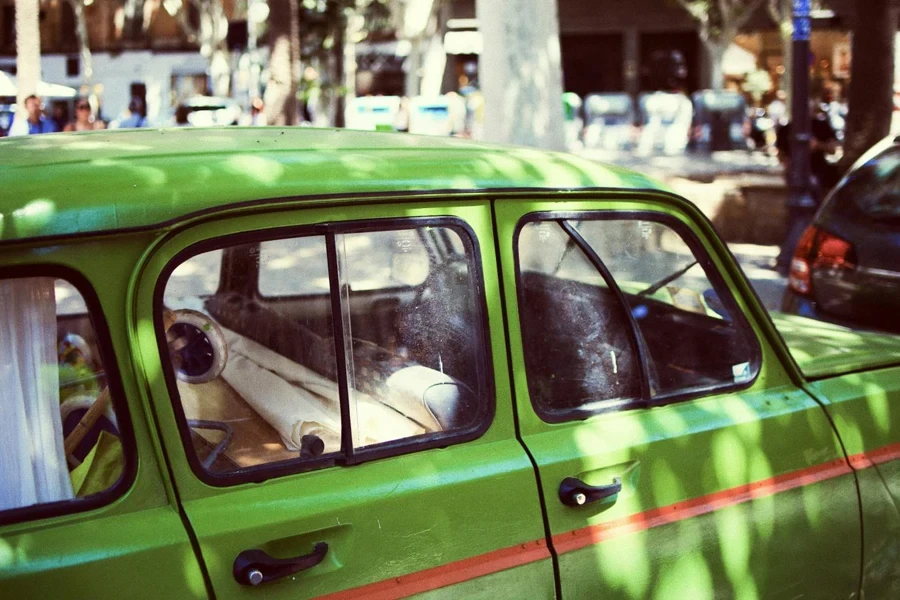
(328, 347)
(623, 310)
(59, 435)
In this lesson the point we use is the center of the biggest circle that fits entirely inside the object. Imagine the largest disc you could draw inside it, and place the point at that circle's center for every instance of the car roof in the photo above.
(75, 183)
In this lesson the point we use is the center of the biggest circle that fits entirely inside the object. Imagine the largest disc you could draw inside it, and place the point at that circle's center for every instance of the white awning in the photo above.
(10, 87)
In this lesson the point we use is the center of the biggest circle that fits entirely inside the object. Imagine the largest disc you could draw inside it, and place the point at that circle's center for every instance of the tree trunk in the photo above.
(337, 60)
(284, 62)
(354, 25)
(28, 52)
(521, 73)
(87, 61)
(870, 100)
(716, 54)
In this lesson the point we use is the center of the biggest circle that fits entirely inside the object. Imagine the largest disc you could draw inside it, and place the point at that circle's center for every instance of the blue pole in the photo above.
(801, 204)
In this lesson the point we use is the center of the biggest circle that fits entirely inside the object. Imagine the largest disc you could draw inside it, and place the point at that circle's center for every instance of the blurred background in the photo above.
(696, 92)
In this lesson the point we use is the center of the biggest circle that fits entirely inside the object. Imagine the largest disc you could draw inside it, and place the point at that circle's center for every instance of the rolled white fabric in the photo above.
(296, 401)
(407, 389)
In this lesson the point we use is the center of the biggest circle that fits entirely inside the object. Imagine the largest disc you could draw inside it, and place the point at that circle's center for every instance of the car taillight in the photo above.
(818, 249)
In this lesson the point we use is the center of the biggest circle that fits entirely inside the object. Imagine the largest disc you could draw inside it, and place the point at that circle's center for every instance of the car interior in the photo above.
(258, 376)
(583, 341)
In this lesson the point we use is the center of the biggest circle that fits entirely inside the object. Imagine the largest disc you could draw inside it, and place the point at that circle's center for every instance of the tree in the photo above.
(284, 62)
(28, 52)
(87, 62)
(521, 72)
(781, 12)
(720, 21)
(870, 99)
(209, 32)
(324, 30)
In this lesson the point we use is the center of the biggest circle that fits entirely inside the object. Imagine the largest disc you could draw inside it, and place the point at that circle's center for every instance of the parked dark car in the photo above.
(846, 268)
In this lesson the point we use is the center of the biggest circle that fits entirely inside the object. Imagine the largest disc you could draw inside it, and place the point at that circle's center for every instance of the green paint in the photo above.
(823, 349)
(142, 178)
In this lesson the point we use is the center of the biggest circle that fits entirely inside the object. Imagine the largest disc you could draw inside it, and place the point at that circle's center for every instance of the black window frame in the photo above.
(402, 446)
(96, 316)
(704, 259)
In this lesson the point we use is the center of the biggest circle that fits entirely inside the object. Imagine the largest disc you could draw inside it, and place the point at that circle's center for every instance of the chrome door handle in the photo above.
(574, 492)
(254, 567)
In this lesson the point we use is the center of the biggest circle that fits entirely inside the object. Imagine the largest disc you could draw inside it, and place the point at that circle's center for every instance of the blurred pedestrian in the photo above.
(181, 116)
(257, 115)
(135, 118)
(84, 118)
(36, 122)
(60, 115)
(822, 142)
(823, 175)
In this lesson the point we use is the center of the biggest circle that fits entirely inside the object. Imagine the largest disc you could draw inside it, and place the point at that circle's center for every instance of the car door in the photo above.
(677, 458)
(861, 405)
(856, 374)
(85, 508)
(351, 433)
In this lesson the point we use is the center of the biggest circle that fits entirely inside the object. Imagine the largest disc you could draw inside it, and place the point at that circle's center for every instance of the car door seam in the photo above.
(179, 507)
(557, 580)
(862, 534)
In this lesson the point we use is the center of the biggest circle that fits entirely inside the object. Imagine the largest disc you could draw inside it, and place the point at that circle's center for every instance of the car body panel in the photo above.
(109, 550)
(720, 494)
(862, 406)
(396, 522)
(825, 349)
(145, 178)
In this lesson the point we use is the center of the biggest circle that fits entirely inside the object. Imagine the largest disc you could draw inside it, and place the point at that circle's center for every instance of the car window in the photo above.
(274, 377)
(59, 435)
(623, 309)
(872, 190)
(580, 350)
(372, 259)
(198, 276)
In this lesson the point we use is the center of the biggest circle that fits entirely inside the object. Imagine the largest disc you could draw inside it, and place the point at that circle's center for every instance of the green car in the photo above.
(289, 363)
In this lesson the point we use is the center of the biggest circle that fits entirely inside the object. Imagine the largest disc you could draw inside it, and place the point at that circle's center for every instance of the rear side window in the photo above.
(61, 445)
(871, 191)
(327, 348)
(371, 258)
(618, 311)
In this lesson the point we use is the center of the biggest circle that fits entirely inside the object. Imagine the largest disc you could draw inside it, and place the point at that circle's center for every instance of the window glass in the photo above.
(293, 266)
(375, 261)
(196, 277)
(582, 345)
(421, 358)
(259, 375)
(579, 349)
(682, 319)
(54, 449)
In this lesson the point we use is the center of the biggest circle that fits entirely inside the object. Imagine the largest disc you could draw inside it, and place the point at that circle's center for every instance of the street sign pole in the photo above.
(801, 204)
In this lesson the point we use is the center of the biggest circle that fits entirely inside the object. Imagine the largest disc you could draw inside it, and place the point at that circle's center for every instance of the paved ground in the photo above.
(695, 166)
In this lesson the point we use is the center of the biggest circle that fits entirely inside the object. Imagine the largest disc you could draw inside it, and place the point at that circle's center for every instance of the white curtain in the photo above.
(32, 459)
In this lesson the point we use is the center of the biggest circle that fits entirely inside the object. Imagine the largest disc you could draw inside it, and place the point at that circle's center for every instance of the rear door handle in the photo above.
(253, 567)
(574, 492)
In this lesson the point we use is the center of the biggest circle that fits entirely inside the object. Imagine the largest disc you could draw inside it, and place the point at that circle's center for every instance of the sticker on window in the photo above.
(741, 372)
